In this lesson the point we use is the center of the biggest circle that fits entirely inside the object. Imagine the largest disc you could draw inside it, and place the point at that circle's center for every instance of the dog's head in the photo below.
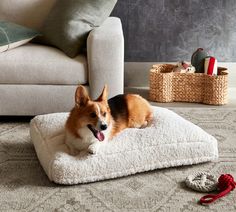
(95, 115)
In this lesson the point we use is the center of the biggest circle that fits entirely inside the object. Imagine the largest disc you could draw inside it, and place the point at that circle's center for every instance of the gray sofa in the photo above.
(37, 79)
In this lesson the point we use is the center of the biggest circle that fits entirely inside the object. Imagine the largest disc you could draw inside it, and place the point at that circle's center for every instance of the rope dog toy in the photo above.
(202, 181)
(205, 182)
(226, 184)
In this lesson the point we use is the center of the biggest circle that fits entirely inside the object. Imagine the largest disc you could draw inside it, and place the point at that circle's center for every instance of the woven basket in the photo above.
(168, 86)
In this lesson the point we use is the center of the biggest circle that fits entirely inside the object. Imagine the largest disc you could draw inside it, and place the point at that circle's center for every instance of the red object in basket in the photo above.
(210, 66)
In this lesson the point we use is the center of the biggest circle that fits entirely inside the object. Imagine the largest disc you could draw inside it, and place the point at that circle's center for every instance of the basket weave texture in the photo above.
(168, 86)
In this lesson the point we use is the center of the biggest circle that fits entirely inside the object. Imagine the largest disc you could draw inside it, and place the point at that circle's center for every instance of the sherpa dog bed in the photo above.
(169, 141)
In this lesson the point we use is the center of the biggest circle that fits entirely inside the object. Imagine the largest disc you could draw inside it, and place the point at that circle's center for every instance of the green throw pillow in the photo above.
(13, 35)
(69, 22)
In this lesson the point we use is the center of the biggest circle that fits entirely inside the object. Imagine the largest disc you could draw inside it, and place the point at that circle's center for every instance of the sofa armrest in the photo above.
(105, 48)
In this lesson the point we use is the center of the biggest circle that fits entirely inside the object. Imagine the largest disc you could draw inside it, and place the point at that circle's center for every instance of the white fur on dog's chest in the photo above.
(86, 135)
(80, 143)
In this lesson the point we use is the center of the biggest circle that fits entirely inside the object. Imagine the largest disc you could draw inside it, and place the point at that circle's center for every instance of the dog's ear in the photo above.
(81, 96)
(104, 94)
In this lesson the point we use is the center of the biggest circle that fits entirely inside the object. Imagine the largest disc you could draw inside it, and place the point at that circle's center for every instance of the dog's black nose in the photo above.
(103, 127)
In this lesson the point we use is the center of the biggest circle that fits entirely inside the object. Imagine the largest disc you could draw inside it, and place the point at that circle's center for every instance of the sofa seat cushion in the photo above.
(38, 64)
(169, 141)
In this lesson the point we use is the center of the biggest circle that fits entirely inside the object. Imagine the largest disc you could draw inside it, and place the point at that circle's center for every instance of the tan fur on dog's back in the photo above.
(139, 111)
(139, 114)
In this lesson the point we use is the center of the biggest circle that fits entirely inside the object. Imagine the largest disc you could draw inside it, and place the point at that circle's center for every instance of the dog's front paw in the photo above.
(93, 148)
(73, 152)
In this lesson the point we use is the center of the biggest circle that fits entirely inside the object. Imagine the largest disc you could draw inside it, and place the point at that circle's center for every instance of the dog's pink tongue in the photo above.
(100, 136)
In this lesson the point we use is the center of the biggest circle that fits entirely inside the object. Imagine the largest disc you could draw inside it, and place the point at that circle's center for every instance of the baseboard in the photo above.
(137, 73)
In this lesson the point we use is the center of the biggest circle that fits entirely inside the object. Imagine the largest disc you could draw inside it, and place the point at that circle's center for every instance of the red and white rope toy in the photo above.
(205, 182)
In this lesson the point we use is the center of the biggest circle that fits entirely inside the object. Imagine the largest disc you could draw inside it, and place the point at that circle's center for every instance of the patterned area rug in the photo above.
(25, 187)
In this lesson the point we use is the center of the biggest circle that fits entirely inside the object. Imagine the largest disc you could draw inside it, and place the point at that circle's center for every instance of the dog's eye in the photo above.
(104, 114)
(93, 115)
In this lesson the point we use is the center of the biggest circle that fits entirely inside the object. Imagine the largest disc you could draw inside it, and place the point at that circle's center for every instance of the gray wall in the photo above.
(170, 30)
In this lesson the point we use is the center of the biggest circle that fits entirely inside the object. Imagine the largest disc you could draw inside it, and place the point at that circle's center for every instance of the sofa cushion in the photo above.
(37, 64)
(14, 35)
(69, 22)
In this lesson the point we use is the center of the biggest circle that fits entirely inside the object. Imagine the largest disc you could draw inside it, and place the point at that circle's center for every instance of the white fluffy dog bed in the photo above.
(169, 141)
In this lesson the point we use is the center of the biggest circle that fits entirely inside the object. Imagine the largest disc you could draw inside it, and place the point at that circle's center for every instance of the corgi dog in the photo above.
(91, 123)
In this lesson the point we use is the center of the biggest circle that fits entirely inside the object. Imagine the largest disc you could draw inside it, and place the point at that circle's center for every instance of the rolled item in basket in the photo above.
(210, 66)
(184, 67)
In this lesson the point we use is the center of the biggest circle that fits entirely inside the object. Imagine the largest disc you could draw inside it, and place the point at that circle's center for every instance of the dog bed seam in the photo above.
(185, 161)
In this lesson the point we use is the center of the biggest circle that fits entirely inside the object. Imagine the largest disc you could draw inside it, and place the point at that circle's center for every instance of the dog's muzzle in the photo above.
(97, 134)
